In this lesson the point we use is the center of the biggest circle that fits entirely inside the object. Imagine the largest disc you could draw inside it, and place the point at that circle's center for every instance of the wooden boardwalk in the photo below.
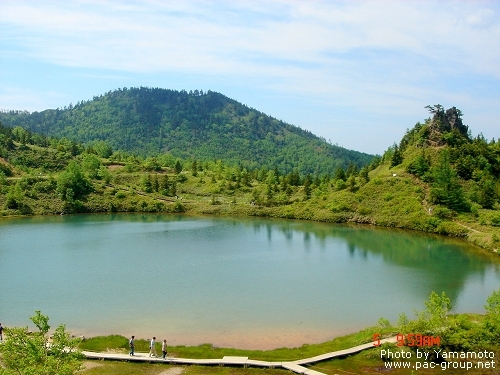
(295, 366)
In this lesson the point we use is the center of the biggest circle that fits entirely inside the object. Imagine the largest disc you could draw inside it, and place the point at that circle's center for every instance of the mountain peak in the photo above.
(445, 121)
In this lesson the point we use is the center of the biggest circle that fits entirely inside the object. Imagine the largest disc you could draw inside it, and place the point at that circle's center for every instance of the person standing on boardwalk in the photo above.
(164, 348)
(131, 343)
(152, 348)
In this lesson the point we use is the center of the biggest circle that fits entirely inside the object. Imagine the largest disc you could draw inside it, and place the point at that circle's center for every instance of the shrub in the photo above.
(340, 207)
(340, 185)
(451, 229)
(495, 220)
(364, 210)
(443, 212)
(120, 195)
(6, 169)
(24, 352)
(181, 178)
(179, 207)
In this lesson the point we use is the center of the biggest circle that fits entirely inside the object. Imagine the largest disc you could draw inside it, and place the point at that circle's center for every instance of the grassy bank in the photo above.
(399, 201)
(120, 344)
(370, 361)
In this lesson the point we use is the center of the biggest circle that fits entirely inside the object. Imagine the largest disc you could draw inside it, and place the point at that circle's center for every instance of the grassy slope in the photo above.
(392, 198)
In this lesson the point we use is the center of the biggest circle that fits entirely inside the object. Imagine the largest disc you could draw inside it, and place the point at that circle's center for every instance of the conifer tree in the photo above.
(339, 174)
(307, 186)
(397, 156)
(164, 185)
(178, 167)
(446, 189)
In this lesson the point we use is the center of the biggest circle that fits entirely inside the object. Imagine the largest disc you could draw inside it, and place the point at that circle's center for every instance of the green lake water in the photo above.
(249, 283)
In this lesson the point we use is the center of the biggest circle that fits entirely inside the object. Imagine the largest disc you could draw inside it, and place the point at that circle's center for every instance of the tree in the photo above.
(269, 193)
(432, 320)
(352, 170)
(173, 189)
(293, 178)
(492, 321)
(151, 164)
(72, 183)
(437, 309)
(351, 183)
(271, 178)
(397, 156)
(3, 179)
(147, 183)
(194, 168)
(20, 135)
(363, 173)
(437, 108)
(15, 197)
(465, 166)
(91, 165)
(339, 174)
(164, 185)
(103, 149)
(420, 166)
(446, 189)
(155, 183)
(25, 353)
(178, 167)
(486, 192)
(307, 186)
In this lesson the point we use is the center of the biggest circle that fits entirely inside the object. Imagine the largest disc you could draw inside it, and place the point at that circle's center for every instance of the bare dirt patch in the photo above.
(113, 167)
(87, 365)
(172, 371)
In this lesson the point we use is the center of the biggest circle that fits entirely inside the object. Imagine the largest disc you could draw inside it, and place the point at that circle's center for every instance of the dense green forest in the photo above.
(438, 179)
(188, 125)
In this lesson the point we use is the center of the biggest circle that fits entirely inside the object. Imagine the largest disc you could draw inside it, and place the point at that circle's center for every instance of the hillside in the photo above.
(438, 179)
(194, 125)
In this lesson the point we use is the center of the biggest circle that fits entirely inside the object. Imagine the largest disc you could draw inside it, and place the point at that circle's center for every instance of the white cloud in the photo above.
(32, 100)
(374, 57)
(161, 36)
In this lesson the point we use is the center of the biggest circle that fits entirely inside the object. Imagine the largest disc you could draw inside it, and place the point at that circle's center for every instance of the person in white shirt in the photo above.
(152, 349)
(164, 348)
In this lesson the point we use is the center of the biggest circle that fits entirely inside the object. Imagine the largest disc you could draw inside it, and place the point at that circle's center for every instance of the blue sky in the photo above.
(358, 73)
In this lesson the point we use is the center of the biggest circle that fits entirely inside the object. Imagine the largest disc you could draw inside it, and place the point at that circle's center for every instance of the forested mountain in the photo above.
(189, 125)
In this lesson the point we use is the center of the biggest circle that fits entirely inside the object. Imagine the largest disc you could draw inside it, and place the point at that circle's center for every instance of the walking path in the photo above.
(295, 366)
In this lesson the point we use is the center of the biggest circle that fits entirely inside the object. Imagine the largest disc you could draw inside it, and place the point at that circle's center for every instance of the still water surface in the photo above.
(249, 283)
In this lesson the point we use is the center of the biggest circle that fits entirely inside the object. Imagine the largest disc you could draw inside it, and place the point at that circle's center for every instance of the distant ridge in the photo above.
(193, 125)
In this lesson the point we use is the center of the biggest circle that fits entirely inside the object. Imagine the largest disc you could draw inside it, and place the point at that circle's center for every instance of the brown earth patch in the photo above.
(172, 371)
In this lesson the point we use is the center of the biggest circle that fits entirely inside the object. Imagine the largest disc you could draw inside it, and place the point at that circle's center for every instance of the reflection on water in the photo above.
(239, 282)
(444, 263)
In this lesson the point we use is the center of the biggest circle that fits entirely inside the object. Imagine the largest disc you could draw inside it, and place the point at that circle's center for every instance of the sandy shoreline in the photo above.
(289, 338)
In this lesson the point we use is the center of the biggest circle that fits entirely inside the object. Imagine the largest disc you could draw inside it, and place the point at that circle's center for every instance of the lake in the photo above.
(247, 283)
